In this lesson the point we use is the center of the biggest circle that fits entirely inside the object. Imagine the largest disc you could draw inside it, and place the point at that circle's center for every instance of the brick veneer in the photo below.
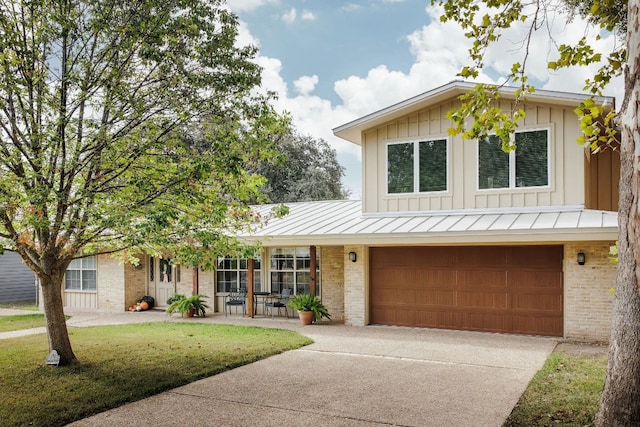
(355, 289)
(587, 300)
(119, 284)
(110, 283)
(332, 280)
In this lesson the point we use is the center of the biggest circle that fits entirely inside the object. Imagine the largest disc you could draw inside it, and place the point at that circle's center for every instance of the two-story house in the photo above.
(450, 233)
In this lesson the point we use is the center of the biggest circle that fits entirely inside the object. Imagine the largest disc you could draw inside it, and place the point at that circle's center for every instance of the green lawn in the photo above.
(565, 392)
(21, 321)
(120, 364)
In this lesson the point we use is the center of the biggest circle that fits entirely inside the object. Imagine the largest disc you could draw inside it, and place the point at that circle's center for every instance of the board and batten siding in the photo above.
(567, 174)
(17, 281)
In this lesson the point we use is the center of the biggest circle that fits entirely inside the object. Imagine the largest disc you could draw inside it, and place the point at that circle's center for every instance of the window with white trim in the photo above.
(232, 274)
(417, 166)
(291, 269)
(525, 167)
(81, 274)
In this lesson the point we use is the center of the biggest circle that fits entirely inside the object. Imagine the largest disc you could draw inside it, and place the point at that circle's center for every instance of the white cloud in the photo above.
(307, 16)
(290, 16)
(306, 84)
(351, 7)
(245, 37)
(248, 5)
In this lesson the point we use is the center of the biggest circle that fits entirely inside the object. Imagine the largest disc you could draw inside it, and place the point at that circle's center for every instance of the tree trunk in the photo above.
(620, 400)
(56, 322)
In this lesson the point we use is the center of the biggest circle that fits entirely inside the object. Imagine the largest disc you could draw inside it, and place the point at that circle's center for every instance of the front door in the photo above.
(161, 280)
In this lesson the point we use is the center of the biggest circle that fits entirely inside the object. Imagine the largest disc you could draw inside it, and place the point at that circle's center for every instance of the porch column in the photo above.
(195, 289)
(250, 286)
(312, 272)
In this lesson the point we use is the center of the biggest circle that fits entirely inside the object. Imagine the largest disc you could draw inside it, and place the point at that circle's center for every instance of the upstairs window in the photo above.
(81, 274)
(526, 166)
(417, 166)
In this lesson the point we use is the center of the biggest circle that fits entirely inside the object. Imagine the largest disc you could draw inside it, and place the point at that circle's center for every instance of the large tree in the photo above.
(124, 128)
(484, 21)
(306, 168)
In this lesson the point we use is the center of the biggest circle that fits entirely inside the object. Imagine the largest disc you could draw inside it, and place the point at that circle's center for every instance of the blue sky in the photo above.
(333, 61)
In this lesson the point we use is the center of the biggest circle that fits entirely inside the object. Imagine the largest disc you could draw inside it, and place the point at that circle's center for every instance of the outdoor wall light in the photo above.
(581, 258)
(353, 256)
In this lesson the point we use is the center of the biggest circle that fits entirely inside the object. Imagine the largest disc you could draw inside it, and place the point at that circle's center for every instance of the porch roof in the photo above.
(343, 222)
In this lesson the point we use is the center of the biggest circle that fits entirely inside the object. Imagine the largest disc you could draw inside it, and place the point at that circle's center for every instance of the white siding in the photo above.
(566, 163)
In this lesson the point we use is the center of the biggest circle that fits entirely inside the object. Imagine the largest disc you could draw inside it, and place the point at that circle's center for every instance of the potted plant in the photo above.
(309, 308)
(188, 306)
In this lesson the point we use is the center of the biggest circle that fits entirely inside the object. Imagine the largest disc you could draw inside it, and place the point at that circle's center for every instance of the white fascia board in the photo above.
(440, 239)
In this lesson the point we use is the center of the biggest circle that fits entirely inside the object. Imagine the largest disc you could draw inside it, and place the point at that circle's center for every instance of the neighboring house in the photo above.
(449, 234)
(17, 281)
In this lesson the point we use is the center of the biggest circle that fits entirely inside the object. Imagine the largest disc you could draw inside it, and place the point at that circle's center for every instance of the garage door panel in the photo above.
(435, 278)
(438, 319)
(498, 289)
(405, 317)
(487, 321)
(481, 279)
(385, 296)
(481, 299)
(436, 298)
(403, 256)
(394, 277)
(537, 325)
(405, 297)
(383, 315)
(488, 256)
(532, 257)
(434, 256)
(537, 302)
(536, 279)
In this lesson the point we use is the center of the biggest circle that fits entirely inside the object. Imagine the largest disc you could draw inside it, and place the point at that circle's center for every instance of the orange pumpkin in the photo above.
(144, 305)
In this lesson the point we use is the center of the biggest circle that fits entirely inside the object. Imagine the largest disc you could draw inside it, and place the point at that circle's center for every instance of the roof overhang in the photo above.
(338, 223)
(352, 131)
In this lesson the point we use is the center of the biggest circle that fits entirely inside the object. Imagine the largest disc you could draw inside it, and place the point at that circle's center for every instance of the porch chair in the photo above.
(280, 303)
(236, 299)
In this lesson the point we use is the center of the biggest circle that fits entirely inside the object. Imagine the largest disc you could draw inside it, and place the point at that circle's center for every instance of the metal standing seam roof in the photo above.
(343, 222)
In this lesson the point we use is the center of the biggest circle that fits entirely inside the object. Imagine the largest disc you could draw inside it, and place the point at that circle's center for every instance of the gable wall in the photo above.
(566, 164)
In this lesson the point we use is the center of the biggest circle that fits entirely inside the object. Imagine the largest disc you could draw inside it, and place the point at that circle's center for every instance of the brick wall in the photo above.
(184, 280)
(355, 289)
(588, 302)
(110, 280)
(135, 281)
(332, 280)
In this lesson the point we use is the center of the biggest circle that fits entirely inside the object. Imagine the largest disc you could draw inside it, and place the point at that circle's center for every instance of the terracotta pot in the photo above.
(306, 317)
(189, 313)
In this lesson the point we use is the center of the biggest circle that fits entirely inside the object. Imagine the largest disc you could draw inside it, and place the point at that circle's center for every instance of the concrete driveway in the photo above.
(356, 376)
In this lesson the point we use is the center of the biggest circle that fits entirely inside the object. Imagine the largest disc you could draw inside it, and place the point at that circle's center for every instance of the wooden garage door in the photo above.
(515, 289)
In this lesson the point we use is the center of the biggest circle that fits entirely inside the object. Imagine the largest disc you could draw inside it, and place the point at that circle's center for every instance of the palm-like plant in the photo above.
(309, 302)
(183, 304)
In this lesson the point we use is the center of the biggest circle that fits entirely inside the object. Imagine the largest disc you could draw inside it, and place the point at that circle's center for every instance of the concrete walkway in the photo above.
(350, 376)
